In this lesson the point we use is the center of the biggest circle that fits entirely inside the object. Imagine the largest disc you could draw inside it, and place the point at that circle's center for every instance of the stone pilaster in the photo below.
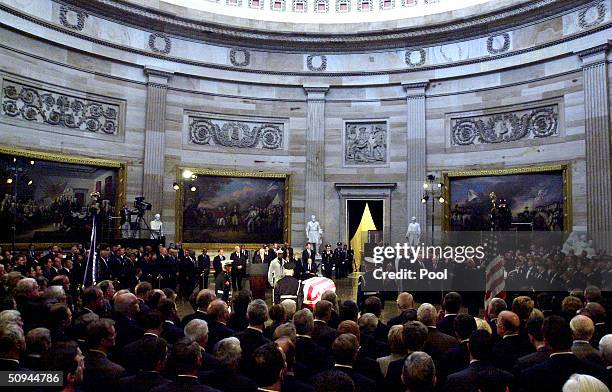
(315, 152)
(597, 133)
(155, 125)
(416, 157)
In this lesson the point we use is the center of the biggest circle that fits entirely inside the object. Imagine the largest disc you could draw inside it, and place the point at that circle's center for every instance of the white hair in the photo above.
(605, 348)
(9, 316)
(228, 352)
(290, 307)
(196, 329)
(368, 322)
(427, 314)
(55, 292)
(584, 383)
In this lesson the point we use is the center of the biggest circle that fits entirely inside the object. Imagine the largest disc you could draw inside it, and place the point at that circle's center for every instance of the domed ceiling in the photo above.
(329, 11)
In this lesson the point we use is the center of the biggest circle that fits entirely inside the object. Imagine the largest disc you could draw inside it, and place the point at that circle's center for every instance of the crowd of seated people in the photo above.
(117, 337)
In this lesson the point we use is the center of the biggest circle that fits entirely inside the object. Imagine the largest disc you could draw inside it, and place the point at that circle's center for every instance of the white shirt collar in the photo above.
(562, 353)
(344, 366)
(255, 328)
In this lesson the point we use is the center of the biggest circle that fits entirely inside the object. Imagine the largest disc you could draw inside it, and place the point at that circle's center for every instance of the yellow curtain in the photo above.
(360, 237)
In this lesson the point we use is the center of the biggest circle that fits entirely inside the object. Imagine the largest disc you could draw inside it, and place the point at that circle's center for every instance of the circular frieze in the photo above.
(316, 63)
(240, 57)
(72, 18)
(497, 44)
(415, 57)
(592, 16)
(160, 43)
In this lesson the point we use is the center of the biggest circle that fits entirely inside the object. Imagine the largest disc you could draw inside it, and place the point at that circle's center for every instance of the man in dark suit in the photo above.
(496, 306)
(152, 356)
(509, 348)
(29, 303)
(419, 372)
(197, 330)
(100, 372)
(480, 346)
(203, 299)
(438, 344)
(405, 305)
(238, 268)
(551, 374)
(458, 358)
(374, 305)
(104, 268)
(187, 359)
(132, 354)
(307, 253)
(228, 355)
(218, 262)
(218, 314)
(322, 333)
(415, 336)
(188, 275)
(126, 309)
(582, 331)
(267, 367)
(252, 337)
(203, 269)
(451, 306)
(309, 355)
(290, 381)
(170, 331)
(534, 332)
(13, 347)
(345, 349)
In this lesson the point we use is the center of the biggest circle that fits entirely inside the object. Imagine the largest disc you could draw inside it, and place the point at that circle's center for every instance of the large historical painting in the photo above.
(48, 199)
(234, 208)
(508, 200)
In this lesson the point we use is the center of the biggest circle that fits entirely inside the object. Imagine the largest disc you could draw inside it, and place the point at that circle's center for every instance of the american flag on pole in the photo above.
(91, 267)
(495, 280)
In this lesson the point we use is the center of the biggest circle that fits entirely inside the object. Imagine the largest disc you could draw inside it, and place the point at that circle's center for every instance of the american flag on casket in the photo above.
(314, 289)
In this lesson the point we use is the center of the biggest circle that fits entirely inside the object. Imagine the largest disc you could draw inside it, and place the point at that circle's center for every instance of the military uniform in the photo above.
(286, 288)
(339, 260)
(367, 287)
(328, 263)
(223, 285)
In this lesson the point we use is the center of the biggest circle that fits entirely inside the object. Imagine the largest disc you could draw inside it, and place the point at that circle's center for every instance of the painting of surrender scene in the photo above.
(234, 209)
(524, 201)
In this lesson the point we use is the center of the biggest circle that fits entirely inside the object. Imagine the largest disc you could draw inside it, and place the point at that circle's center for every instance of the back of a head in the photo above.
(464, 325)
(592, 293)
(373, 305)
(11, 336)
(605, 348)
(427, 314)
(497, 305)
(405, 301)
(570, 305)
(534, 328)
(584, 383)
(277, 313)
(257, 312)
(396, 340)
(368, 323)
(204, 298)
(323, 310)
(582, 328)
(185, 356)
(142, 289)
(331, 296)
(151, 352)
(241, 301)
(348, 310)
(598, 312)
(151, 320)
(452, 302)
(303, 321)
(419, 372)
(98, 330)
(228, 352)
(522, 306)
(90, 295)
(290, 308)
(333, 381)
(196, 329)
(348, 326)
(493, 380)
(345, 349)
(38, 340)
(286, 329)
(217, 309)
(167, 308)
(414, 335)
(268, 362)
(480, 345)
(557, 333)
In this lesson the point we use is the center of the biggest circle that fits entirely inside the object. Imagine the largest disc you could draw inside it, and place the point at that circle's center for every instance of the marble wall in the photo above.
(420, 108)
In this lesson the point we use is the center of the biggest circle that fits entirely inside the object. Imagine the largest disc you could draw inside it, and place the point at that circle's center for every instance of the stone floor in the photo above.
(345, 288)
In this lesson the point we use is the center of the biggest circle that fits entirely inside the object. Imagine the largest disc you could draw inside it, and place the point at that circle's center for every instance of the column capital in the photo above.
(316, 91)
(415, 88)
(595, 55)
(158, 76)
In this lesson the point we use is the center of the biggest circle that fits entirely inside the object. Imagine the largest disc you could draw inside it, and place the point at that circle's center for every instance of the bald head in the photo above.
(508, 323)
(127, 304)
(405, 301)
(582, 328)
(218, 311)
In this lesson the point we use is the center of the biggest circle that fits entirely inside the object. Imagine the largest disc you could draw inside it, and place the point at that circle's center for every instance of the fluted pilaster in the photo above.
(315, 152)
(597, 132)
(153, 179)
(416, 144)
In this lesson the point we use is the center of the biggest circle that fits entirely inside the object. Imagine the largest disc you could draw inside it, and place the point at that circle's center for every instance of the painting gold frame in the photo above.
(563, 167)
(178, 209)
(52, 156)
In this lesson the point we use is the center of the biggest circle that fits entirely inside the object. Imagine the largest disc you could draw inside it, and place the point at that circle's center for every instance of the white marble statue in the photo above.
(314, 232)
(157, 228)
(413, 235)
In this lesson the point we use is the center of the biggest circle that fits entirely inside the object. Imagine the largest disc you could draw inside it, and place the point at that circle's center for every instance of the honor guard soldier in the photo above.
(367, 285)
(327, 261)
(339, 260)
(223, 281)
(287, 287)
